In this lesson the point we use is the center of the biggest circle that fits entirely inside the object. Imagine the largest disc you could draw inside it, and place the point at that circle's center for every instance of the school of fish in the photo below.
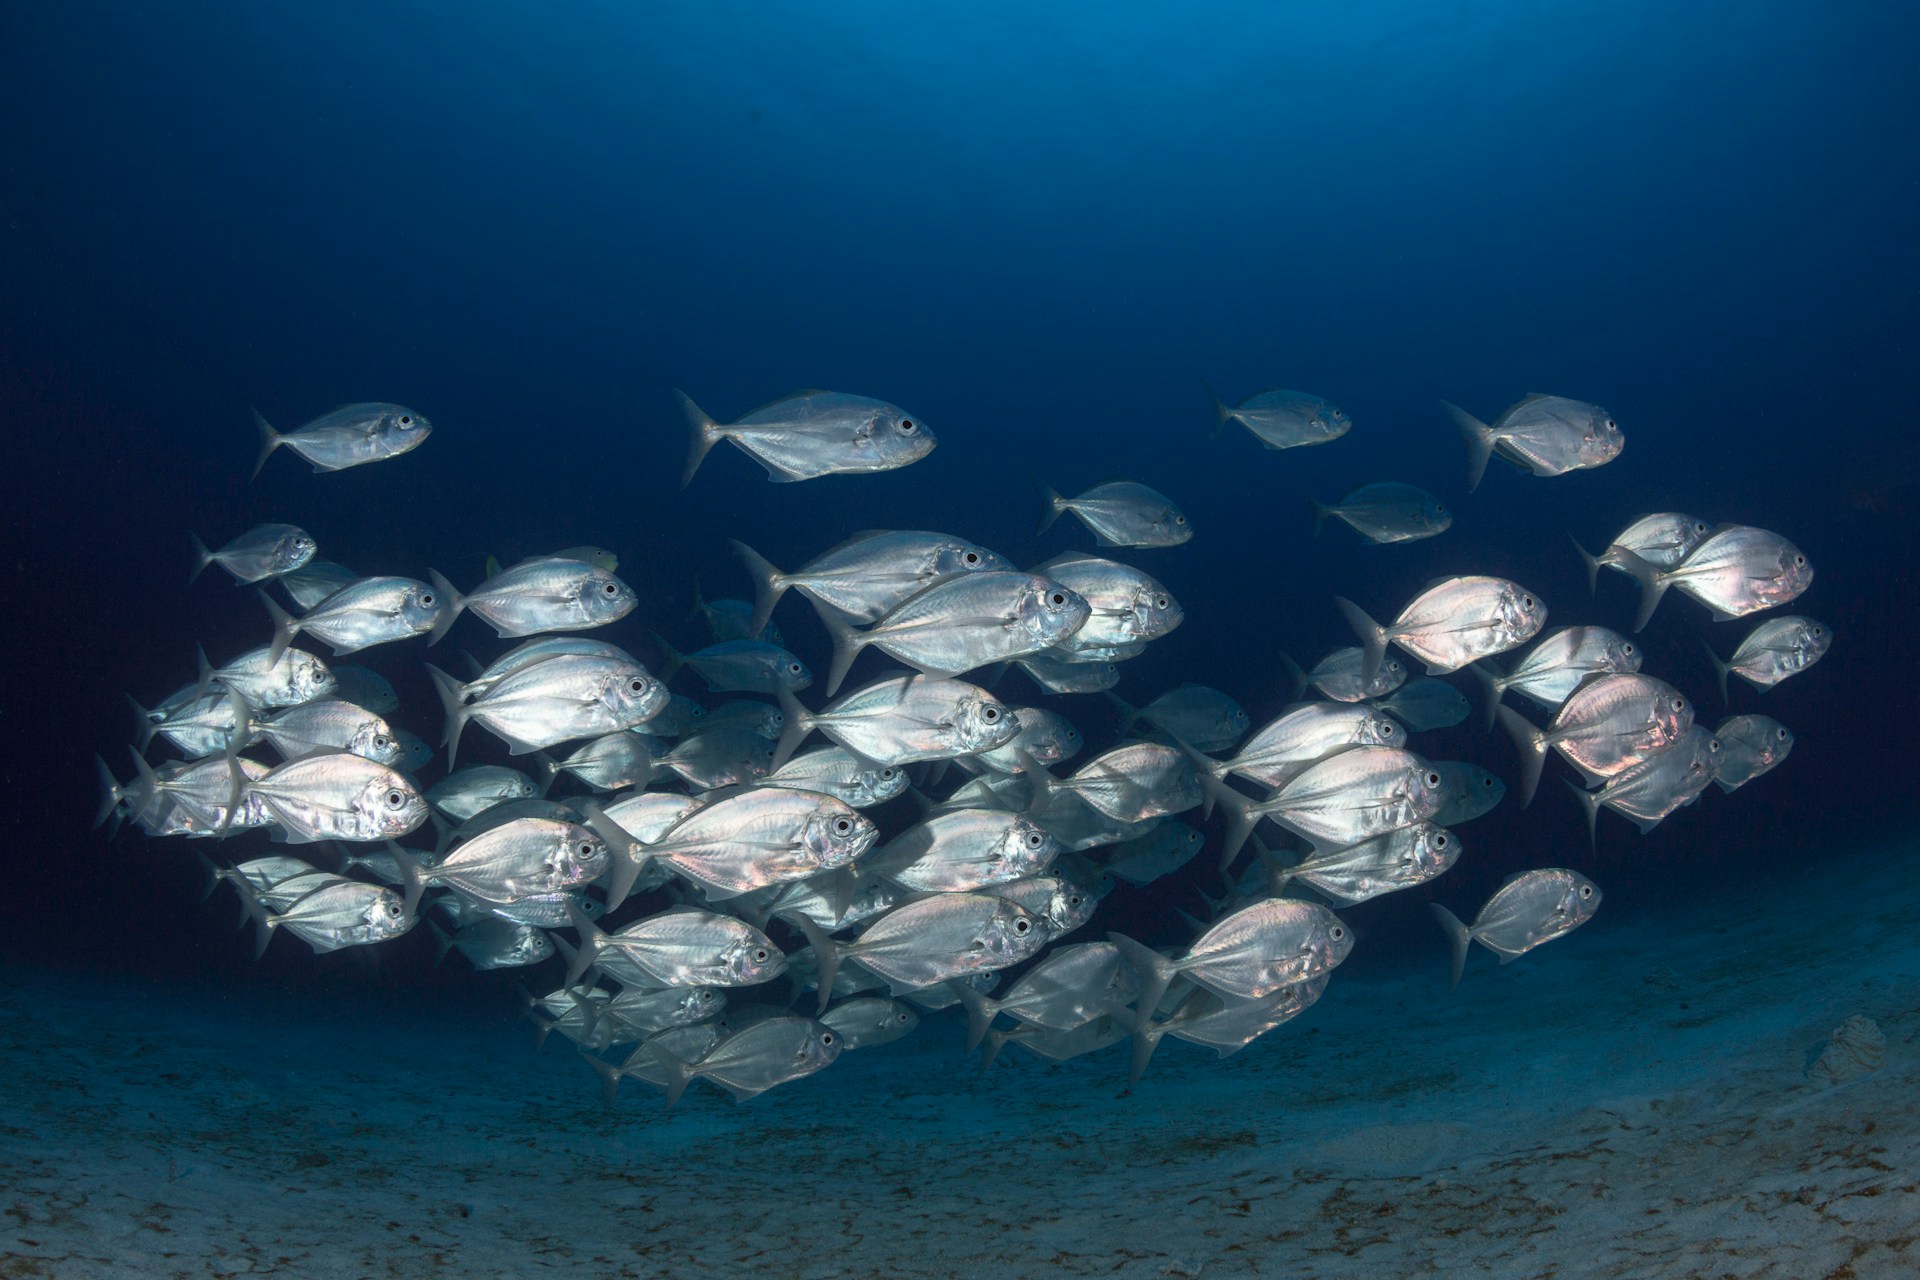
(707, 868)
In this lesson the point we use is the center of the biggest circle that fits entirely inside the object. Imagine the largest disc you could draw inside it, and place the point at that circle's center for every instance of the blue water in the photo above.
(1038, 227)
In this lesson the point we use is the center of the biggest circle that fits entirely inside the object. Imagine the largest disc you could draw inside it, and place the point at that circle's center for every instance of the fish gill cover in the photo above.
(1170, 288)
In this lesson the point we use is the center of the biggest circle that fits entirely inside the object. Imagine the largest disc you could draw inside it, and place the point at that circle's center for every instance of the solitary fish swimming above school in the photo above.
(812, 433)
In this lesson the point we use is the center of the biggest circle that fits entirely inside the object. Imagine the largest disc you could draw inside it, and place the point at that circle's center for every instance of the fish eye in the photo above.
(1439, 509)
(794, 667)
(1179, 519)
(1022, 925)
(990, 714)
(907, 426)
(381, 741)
(1611, 425)
(1433, 779)
(406, 419)
(1781, 733)
(1526, 602)
(826, 1038)
(970, 558)
(1440, 840)
(1626, 649)
(759, 955)
(393, 909)
(611, 589)
(636, 685)
(1799, 560)
(1386, 730)
(1679, 705)
(841, 826)
(1162, 601)
(1058, 599)
(889, 773)
(1337, 932)
(1817, 629)
(1035, 839)
(395, 800)
(1699, 526)
(1586, 891)
(426, 599)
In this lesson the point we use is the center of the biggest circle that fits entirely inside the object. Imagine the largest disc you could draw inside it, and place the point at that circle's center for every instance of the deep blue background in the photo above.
(1040, 231)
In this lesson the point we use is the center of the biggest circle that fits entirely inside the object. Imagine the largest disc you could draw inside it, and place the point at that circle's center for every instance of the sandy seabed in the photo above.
(1632, 1101)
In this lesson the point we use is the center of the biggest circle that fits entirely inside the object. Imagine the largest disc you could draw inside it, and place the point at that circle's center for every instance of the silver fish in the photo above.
(365, 613)
(199, 726)
(314, 581)
(1398, 859)
(740, 666)
(525, 858)
(1736, 571)
(1283, 419)
(1387, 512)
(1341, 675)
(812, 433)
(1610, 723)
(933, 939)
(363, 688)
(835, 771)
(683, 947)
(338, 796)
(902, 720)
(869, 1021)
(328, 725)
(1224, 1024)
(752, 1061)
(1772, 651)
(1547, 435)
(523, 656)
(537, 596)
(1561, 662)
(1130, 783)
(964, 623)
(1467, 792)
(1451, 623)
(1528, 910)
(868, 574)
(1654, 788)
(764, 836)
(348, 436)
(552, 701)
(1307, 734)
(721, 757)
(262, 552)
(1060, 903)
(1045, 735)
(1125, 605)
(1255, 950)
(1121, 513)
(267, 682)
(342, 913)
(1663, 540)
(496, 944)
(1426, 704)
(1070, 988)
(1055, 675)
(1347, 798)
(1159, 852)
(1205, 719)
(965, 850)
(1055, 1046)
(608, 763)
(477, 788)
(1751, 745)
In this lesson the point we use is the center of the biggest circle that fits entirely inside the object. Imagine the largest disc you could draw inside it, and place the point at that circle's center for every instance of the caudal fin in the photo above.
(1320, 513)
(1477, 436)
(1530, 745)
(201, 558)
(1589, 805)
(1145, 1040)
(702, 434)
(1373, 636)
(453, 701)
(628, 856)
(1155, 972)
(980, 1012)
(1720, 670)
(110, 793)
(1492, 682)
(285, 628)
(269, 441)
(1591, 561)
(827, 955)
(671, 659)
(1055, 504)
(1653, 584)
(847, 643)
(1296, 676)
(453, 601)
(591, 941)
(1221, 414)
(795, 725)
(1459, 937)
(769, 584)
